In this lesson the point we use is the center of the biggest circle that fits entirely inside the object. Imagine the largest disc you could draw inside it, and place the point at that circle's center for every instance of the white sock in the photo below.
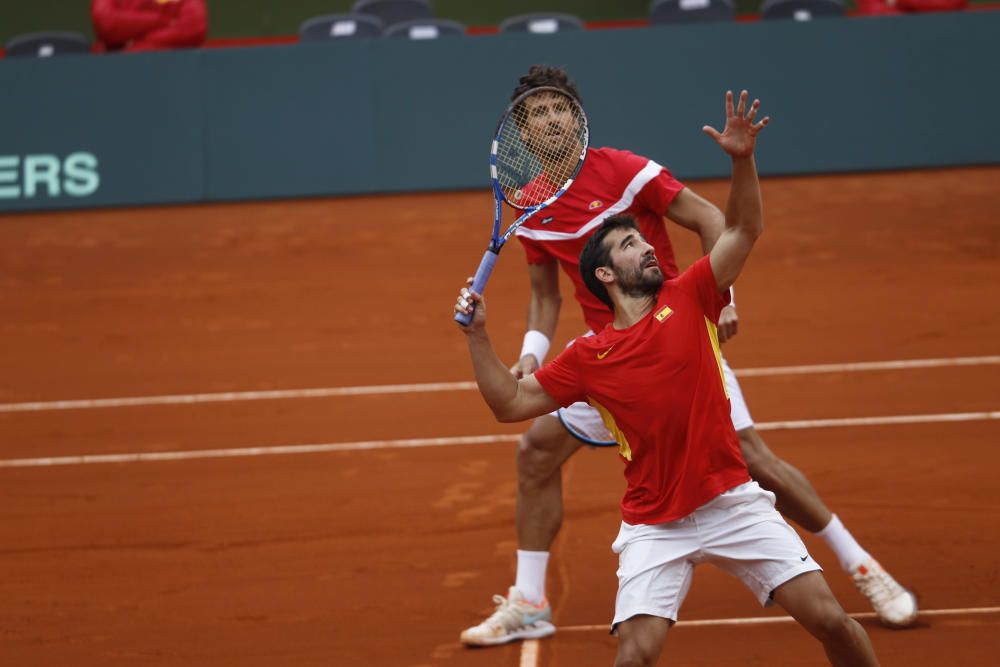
(530, 579)
(848, 551)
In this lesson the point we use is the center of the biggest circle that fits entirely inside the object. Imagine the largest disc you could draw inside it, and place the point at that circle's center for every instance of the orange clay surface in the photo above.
(382, 556)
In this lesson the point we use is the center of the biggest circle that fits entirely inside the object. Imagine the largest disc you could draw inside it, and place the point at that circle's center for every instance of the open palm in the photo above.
(740, 134)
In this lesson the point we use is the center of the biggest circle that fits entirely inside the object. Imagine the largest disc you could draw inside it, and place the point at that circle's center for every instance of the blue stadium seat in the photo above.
(45, 44)
(541, 23)
(663, 12)
(391, 12)
(339, 26)
(801, 10)
(425, 29)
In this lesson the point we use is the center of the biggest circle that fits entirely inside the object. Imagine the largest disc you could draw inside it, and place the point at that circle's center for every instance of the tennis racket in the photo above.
(539, 147)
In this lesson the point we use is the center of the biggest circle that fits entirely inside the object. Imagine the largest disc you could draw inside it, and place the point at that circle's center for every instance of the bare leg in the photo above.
(796, 497)
(640, 640)
(810, 602)
(543, 449)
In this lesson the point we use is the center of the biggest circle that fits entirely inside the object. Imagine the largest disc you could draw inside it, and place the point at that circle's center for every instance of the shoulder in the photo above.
(618, 167)
(617, 156)
(695, 278)
(597, 341)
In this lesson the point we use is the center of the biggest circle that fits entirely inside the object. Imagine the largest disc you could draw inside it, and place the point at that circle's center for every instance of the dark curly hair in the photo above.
(546, 75)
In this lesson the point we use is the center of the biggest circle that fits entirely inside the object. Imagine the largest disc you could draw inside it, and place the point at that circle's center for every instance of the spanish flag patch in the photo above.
(664, 313)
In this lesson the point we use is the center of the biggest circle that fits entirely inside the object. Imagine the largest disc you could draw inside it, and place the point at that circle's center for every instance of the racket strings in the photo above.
(539, 147)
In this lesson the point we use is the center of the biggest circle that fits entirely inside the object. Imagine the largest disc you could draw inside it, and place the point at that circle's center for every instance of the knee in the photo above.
(835, 626)
(536, 460)
(630, 662)
(631, 657)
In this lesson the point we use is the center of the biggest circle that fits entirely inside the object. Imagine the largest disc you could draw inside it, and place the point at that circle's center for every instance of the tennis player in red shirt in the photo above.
(655, 375)
(617, 181)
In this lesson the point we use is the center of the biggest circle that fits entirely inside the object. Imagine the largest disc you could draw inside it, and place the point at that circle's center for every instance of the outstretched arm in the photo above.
(511, 399)
(744, 212)
(694, 212)
(543, 316)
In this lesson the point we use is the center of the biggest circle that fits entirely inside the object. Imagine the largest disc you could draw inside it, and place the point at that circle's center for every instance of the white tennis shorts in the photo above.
(739, 531)
(585, 423)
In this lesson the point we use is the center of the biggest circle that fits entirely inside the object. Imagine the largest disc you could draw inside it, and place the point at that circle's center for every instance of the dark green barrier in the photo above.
(389, 116)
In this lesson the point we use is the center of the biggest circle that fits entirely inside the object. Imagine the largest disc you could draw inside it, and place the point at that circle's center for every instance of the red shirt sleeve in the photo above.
(560, 378)
(659, 193)
(115, 25)
(187, 30)
(699, 281)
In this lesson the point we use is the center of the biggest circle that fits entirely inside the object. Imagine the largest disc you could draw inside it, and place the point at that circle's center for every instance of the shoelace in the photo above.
(878, 586)
(506, 616)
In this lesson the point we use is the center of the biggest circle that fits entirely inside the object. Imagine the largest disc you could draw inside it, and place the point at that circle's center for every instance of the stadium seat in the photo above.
(339, 26)
(541, 23)
(425, 29)
(663, 12)
(391, 12)
(45, 44)
(801, 10)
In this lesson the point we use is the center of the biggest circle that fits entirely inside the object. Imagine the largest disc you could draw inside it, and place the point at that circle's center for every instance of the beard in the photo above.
(645, 280)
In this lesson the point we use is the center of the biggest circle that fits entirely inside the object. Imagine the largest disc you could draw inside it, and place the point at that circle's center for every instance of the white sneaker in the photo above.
(515, 618)
(894, 605)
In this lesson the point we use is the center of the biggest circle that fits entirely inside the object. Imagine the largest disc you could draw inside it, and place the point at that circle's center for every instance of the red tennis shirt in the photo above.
(611, 181)
(660, 390)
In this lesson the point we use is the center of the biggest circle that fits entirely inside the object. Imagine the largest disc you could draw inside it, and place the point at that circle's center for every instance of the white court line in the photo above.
(442, 442)
(529, 655)
(767, 620)
(257, 451)
(429, 387)
(902, 364)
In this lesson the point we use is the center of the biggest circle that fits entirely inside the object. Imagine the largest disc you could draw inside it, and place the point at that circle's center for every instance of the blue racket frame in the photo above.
(496, 240)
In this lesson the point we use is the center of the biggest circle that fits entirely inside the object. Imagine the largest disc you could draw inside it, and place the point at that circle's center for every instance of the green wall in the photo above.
(393, 115)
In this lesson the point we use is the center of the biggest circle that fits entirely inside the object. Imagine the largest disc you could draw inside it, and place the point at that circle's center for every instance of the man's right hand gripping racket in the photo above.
(539, 148)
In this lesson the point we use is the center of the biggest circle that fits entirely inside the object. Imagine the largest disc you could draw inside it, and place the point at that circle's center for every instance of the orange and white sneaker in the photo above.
(515, 618)
(894, 605)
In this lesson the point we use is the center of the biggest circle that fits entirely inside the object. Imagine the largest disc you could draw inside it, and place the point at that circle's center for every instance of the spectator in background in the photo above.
(145, 25)
(882, 7)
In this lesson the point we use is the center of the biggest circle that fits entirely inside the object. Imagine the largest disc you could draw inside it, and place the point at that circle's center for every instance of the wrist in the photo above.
(536, 344)
(732, 298)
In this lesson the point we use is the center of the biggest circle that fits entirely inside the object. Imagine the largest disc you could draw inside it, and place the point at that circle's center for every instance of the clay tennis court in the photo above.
(203, 536)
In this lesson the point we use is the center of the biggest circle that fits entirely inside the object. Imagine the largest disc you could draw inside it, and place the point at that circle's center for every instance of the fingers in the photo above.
(729, 103)
(754, 108)
(467, 300)
(712, 132)
(741, 107)
(760, 126)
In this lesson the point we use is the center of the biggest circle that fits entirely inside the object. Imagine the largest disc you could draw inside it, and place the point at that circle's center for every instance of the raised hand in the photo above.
(466, 302)
(740, 134)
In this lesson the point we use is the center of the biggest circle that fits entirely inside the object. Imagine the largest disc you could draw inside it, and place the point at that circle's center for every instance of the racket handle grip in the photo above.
(479, 282)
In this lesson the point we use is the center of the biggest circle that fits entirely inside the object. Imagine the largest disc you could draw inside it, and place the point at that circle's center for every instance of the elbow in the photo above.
(753, 229)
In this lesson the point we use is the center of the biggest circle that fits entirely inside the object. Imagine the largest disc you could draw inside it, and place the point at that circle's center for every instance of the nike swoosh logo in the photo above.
(601, 355)
(547, 220)
(803, 558)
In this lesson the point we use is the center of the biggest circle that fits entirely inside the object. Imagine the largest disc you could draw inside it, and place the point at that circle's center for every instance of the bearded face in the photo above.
(646, 279)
